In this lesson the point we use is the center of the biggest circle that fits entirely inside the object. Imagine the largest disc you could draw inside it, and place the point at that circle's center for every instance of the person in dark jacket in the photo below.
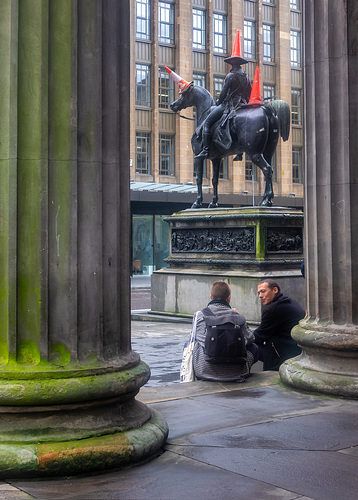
(280, 314)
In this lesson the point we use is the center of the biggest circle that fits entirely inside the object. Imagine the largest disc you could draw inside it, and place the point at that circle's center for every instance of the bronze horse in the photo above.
(254, 129)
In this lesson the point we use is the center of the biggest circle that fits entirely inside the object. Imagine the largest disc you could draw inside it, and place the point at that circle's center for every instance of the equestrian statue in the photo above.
(239, 122)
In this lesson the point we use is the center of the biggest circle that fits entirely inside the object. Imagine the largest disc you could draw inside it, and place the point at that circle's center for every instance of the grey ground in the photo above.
(256, 440)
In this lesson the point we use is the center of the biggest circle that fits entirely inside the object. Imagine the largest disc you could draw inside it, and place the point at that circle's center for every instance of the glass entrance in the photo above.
(150, 243)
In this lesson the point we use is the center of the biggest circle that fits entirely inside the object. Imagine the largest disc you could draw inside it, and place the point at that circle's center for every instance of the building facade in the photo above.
(193, 37)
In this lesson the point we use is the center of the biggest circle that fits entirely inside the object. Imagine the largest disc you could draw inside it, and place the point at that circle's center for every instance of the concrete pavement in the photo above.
(256, 440)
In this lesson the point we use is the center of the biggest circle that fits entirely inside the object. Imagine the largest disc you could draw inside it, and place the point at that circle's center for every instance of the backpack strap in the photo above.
(224, 317)
(207, 311)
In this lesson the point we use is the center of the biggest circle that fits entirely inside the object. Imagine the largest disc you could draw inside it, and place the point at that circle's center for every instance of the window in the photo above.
(268, 32)
(295, 4)
(166, 155)
(269, 92)
(199, 31)
(250, 39)
(199, 80)
(296, 165)
(166, 89)
(295, 48)
(296, 107)
(250, 169)
(142, 89)
(166, 22)
(142, 146)
(223, 171)
(142, 20)
(218, 85)
(219, 34)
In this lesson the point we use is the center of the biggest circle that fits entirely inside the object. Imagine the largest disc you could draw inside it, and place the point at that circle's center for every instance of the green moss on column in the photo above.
(260, 241)
(8, 146)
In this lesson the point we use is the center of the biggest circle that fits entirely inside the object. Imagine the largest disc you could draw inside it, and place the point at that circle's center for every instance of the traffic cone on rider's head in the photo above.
(236, 53)
(182, 84)
(255, 96)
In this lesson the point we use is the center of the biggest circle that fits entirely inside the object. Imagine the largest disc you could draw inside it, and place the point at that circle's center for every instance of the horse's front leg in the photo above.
(215, 181)
(199, 166)
(266, 168)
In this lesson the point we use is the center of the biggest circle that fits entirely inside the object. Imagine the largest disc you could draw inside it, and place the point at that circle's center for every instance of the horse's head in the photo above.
(184, 101)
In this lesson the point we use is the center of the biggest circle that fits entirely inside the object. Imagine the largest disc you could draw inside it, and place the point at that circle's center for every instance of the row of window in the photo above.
(167, 159)
(251, 170)
(166, 31)
(268, 43)
(143, 94)
(166, 90)
(166, 154)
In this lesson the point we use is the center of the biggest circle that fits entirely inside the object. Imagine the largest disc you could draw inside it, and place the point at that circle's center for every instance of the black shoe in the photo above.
(238, 157)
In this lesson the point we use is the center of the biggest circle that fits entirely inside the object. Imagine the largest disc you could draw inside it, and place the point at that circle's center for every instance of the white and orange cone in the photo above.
(182, 84)
(255, 96)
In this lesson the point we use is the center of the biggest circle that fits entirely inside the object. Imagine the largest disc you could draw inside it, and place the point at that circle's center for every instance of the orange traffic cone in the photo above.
(255, 97)
(182, 84)
(236, 53)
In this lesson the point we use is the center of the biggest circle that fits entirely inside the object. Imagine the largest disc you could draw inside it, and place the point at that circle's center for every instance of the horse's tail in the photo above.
(282, 110)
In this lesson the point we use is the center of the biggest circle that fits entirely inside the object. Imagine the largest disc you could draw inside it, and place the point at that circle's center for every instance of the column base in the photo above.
(66, 423)
(84, 455)
(329, 360)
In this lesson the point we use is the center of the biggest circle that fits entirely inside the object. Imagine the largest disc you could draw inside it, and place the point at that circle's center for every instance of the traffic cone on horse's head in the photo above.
(255, 96)
(182, 84)
(236, 53)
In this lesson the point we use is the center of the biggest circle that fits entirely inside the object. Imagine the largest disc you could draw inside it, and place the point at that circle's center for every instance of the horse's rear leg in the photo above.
(199, 166)
(266, 168)
(215, 180)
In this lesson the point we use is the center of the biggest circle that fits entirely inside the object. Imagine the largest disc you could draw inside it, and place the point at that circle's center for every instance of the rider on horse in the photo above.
(236, 91)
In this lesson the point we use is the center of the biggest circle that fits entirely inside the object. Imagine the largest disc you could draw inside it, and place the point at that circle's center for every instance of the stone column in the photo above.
(68, 376)
(329, 333)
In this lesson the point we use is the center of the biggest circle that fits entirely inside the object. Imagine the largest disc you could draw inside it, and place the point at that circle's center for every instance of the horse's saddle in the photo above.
(220, 131)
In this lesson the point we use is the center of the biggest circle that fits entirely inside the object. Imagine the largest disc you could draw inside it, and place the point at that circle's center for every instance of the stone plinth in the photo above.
(241, 246)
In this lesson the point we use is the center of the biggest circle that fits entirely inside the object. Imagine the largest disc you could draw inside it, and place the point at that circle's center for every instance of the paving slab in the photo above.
(257, 440)
(230, 441)
(9, 492)
(169, 477)
(318, 475)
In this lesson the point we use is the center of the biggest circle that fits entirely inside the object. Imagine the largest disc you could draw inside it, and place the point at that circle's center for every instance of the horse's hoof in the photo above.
(265, 203)
(213, 205)
(197, 205)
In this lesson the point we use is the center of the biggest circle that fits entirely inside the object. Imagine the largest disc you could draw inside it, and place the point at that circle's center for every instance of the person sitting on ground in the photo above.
(219, 305)
(273, 336)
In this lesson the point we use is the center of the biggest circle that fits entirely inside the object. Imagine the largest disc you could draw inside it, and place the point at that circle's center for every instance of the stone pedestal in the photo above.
(241, 246)
(68, 376)
(329, 334)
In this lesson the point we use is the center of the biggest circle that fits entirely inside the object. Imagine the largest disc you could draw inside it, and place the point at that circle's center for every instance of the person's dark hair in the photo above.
(271, 284)
(220, 290)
